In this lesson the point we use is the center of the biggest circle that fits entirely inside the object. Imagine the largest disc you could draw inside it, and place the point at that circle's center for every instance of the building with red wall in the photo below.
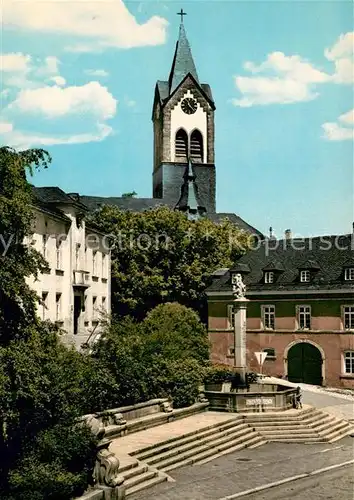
(300, 310)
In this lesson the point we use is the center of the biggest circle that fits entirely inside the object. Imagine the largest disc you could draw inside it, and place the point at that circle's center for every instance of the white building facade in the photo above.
(76, 291)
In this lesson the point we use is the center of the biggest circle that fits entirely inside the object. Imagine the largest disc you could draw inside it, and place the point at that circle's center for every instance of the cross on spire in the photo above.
(182, 13)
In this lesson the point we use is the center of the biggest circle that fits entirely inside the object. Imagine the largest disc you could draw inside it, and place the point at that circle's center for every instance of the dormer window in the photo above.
(305, 276)
(269, 277)
(349, 274)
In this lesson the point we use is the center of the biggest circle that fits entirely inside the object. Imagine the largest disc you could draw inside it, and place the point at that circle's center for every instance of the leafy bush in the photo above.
(163, 356)
(252, 377)
(59, 466)
(177, 380)
(217, 374)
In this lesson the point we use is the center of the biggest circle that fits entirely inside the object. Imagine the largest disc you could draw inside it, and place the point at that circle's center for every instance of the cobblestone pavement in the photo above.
(247, 469)
(334, 485)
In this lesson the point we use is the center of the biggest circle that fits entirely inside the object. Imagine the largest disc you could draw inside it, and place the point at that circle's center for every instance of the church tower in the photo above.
(183, 121)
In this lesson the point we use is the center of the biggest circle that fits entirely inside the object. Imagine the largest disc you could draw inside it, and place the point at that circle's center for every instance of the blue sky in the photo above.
(78, 80)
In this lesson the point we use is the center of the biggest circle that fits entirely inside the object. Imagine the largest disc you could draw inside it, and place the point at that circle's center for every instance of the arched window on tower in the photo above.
(197, 147)
(181, 145)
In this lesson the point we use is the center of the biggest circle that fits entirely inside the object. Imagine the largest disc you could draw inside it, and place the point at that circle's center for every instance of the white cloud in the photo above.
(291, 67)
(22, 71)
(342, 48)
(58, 80)
(341, 54)
(100, 24)
(50, 66)
(347, 118)
(14, 62)
(262, 91)
(97, 72)
(280, 79)
(24, 140)
(336, 131)
(54, 102)
(5, 127)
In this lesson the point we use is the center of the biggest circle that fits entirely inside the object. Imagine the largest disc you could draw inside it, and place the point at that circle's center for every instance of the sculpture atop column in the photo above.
(238, 286)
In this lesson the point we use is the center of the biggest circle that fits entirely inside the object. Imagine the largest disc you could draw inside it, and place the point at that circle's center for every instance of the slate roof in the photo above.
(124, 203)
(331, 253)
(141, 204)
(164, 91)
(236, 219)
(56, 196)
(46, 198)
(183, 62)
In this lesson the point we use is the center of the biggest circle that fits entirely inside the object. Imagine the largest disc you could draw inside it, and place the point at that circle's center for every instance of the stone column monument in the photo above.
(240, 311)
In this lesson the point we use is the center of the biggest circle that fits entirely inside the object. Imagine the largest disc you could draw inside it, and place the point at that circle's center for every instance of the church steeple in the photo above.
(183, 118)
(183, 60)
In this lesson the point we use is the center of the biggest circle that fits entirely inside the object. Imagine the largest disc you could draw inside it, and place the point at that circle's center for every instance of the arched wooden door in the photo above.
(305, 364)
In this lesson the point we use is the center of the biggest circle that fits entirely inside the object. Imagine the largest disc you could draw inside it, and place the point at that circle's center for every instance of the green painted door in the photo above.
(305, 364)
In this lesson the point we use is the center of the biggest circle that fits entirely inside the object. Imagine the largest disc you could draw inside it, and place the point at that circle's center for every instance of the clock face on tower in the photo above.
(189, 105)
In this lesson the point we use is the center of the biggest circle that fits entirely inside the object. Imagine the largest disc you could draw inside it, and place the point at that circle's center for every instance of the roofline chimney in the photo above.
(288, 235)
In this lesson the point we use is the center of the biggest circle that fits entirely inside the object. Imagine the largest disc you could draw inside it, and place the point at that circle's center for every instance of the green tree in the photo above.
(41, 381)
(175, 332)
(163, 356)
(17, 260)
(160, 256)
(129, 195)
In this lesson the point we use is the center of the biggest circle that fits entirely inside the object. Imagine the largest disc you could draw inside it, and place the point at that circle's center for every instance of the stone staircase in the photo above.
(309, 425)
(140, 476)
(155, 461)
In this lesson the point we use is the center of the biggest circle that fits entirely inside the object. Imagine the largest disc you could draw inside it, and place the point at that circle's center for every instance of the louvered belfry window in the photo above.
(181, 145)
(197, 147)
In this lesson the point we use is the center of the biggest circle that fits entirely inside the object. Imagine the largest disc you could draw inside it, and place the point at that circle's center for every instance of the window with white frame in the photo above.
(305, 276)
(94, 263)
(58, 306)
(268, 317)
(304, 317)
(349, 362)
(44, 304)
(270, 353)
(269, 277)
(44, 245)
(231, 316)
(104, 265)
(104, 303)
(348, 317)
(58, 254)
(349, 274)
(77, 256)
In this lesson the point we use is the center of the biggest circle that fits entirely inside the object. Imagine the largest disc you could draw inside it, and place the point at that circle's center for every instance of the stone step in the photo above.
(140, 478)
(203, 458)
(332, 438)
(237, 431)
(337, 432)
(328, 426)
(307, 417)
(145, 485)
(216, 429)
(299, 439)
(286, 432)
(201, 452)
(134, 471)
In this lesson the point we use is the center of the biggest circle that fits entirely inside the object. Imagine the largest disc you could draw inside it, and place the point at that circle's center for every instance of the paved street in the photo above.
(340, 405)
(247, 469)
(334, 485)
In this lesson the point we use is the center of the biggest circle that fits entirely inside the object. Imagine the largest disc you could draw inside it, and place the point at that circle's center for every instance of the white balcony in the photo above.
(81, 279)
